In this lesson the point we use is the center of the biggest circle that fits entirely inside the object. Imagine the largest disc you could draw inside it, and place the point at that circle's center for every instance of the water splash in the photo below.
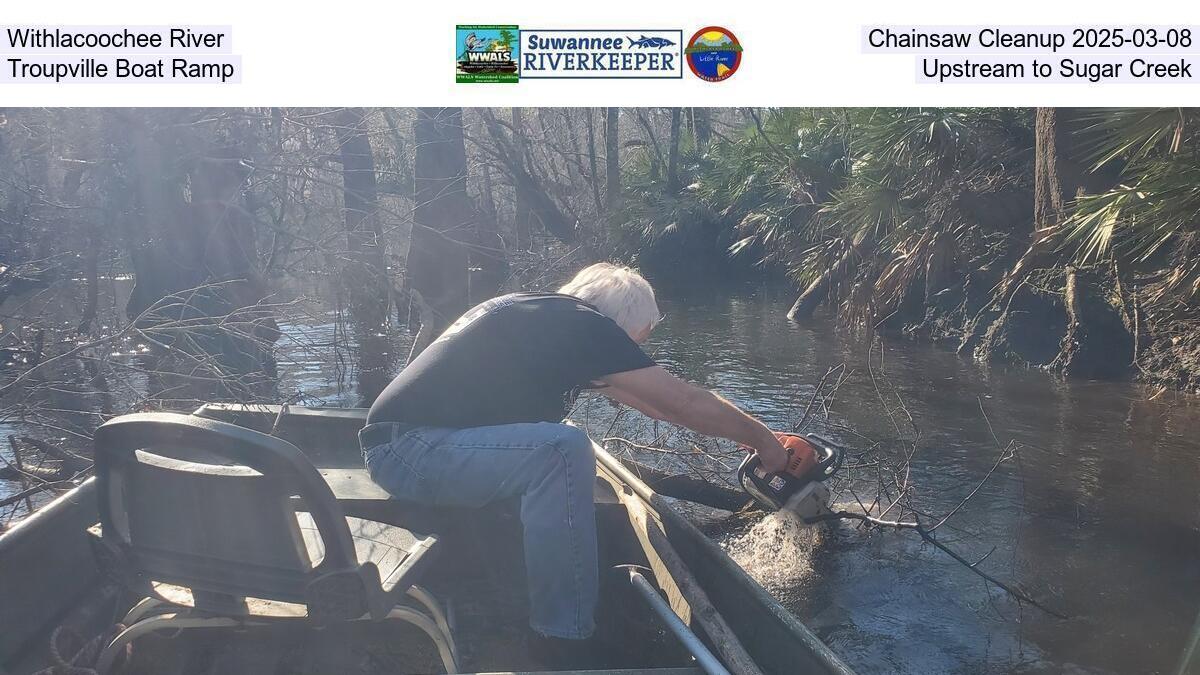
(777, 551)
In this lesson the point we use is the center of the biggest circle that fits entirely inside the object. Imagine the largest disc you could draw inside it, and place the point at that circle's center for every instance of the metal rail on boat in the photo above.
(708, 662)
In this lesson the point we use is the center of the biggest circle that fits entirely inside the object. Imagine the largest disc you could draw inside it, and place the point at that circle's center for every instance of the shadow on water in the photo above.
(1098, 516)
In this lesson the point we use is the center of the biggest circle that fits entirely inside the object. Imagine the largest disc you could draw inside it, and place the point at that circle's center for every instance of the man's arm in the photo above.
(663, 396)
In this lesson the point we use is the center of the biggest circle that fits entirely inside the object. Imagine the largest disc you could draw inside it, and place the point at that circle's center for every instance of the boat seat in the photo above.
(387, 547)
(353, 485)
(201, 518)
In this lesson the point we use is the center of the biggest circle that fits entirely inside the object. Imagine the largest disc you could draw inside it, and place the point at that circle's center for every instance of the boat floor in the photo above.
(480, 577)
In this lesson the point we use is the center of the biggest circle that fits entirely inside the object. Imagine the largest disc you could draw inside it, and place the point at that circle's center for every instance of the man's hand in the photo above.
(774, 457)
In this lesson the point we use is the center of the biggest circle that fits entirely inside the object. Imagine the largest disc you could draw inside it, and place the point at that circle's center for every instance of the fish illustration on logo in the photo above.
(644, 42)
(601, 53)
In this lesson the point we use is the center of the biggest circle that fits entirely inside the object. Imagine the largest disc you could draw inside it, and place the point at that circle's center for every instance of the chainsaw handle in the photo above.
(834, 455)
(745, 475)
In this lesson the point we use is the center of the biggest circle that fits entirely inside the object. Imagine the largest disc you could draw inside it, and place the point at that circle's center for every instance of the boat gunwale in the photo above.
(675, 524)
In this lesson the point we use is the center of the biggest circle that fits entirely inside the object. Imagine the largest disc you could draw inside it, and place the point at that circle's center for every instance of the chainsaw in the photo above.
(800, 487)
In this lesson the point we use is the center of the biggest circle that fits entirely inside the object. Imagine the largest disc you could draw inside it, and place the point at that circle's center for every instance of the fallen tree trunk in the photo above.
(70, 461)
(688, 488)
(818, 290)
(812, 297)
(41, 487)
(43, 473)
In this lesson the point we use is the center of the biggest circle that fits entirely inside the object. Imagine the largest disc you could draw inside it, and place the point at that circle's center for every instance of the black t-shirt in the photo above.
(516, 358)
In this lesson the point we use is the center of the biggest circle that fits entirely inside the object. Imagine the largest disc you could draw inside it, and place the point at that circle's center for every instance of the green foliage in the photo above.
(653, 215)
(807, 184)
(1151, 219)
(800, 188)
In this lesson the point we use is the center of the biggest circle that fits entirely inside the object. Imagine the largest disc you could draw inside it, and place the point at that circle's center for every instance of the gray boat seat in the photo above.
(203, 519)
(387, 547)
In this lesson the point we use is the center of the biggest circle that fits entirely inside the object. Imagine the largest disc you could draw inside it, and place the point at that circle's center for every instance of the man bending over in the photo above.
(476, 418)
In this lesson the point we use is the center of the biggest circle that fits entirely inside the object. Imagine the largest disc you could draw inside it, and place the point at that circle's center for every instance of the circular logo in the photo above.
(714, 53)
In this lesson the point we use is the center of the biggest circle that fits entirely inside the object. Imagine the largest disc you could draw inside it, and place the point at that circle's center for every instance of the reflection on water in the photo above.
(313, 363)
(1098, 516)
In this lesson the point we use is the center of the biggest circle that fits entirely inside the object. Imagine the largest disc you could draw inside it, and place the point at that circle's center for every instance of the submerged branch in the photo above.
(926, 535)
(696, 490)
(41, 487)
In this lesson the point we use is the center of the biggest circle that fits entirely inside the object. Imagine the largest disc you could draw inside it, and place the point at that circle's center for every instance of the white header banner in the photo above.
(621, 52)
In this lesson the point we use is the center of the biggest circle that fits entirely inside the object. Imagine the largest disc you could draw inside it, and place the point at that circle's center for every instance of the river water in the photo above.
(1097, 515)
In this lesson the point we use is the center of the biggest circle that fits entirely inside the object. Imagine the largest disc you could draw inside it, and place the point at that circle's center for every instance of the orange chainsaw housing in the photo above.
(810, 458)
(802, 455)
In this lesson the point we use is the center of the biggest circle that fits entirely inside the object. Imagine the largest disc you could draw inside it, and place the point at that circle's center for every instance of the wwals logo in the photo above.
(486, 54)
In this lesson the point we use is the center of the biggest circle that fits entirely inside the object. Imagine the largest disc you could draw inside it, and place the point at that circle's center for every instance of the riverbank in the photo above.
(1059, 239)
(1077, 323)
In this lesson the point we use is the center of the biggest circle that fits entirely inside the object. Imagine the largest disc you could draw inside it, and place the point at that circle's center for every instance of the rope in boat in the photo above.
(64, 640)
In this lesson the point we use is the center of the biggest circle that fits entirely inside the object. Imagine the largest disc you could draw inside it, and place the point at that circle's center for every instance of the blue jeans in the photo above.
(552, 468)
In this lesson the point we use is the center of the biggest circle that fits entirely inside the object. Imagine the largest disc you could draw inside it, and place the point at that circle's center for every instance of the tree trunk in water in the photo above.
(365, 273)
(443, 221)
(673, 152)
(523, 214)
(612, 158)
(197, 289)
(72, 181)
(818, 290)
(592, 164)
(489, 262)
(525, 179)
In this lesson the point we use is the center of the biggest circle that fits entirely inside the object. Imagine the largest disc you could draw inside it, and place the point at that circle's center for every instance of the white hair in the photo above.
(620, 293)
